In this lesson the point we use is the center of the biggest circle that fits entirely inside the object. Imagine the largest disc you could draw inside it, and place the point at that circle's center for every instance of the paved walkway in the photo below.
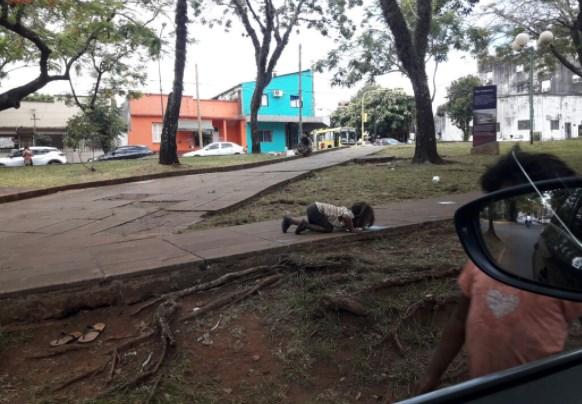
(98, 233)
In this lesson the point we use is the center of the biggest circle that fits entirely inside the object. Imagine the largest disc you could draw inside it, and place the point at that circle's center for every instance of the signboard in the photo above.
(484, 115)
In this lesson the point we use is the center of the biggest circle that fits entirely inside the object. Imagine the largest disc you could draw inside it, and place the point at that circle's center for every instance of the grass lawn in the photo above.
(382, 183)
(55, 175)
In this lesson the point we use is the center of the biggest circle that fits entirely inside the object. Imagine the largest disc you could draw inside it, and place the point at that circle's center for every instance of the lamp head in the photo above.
(521, 40)
(546, 38)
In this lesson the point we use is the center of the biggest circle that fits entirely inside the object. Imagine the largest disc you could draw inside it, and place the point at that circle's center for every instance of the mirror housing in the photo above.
(528, 236)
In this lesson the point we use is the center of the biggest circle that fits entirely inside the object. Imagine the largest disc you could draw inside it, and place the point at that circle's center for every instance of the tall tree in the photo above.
(459, 106)
(98, 127)
(168, 147)
(57, 36)
(269, 25)
(563, 18)
(419, 31)
(390, 112)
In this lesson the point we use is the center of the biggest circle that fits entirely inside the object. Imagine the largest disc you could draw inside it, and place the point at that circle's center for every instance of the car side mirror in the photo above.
(528, 236)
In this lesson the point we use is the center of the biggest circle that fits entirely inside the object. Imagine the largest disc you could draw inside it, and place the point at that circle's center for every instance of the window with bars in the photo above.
(157, 132)
(265, 136)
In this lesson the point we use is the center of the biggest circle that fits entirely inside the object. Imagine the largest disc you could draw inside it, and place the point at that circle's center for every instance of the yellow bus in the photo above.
(333, 137)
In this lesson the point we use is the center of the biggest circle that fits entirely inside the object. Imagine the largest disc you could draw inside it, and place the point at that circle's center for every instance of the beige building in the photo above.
(35, 123)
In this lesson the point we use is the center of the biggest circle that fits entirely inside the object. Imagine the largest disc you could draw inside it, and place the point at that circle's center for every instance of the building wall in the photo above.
(557, 97)
(279, 136)
(147, 111)
(446, 131)
(281, 106)
(547, 108)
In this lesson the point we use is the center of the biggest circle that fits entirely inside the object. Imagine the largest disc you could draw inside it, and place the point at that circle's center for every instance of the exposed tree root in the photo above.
(162, 318)
(232, 298)
(389, 282)
(208, 285)
(428, 302)
(344, 303)
(90, 373)
(59, 351)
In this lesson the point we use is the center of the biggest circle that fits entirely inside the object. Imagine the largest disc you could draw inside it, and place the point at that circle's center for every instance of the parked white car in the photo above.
(41, 156)
(217, 149)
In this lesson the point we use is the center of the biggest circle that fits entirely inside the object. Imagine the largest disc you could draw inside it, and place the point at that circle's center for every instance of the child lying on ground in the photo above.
(324, 217)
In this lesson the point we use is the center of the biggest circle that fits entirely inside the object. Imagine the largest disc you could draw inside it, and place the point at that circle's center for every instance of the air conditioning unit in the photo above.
(277, 93)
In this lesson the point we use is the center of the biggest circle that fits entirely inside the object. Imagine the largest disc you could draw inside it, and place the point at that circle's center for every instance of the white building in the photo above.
(445, 130)
(557, 102)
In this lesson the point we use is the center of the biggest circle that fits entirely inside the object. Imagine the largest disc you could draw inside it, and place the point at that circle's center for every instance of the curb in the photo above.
(23, 306)
(94, 184)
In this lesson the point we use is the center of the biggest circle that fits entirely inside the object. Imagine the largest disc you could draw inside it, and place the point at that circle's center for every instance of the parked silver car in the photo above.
(41, 156)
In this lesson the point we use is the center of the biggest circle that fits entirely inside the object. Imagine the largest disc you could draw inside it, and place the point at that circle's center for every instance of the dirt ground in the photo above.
(284, 344)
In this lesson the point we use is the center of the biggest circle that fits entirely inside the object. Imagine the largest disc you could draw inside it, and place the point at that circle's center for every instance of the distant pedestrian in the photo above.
(324, 218)
(27, 156)
(305, 146)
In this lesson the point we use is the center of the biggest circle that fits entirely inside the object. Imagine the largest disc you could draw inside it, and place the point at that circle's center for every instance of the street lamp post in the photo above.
(522, 41)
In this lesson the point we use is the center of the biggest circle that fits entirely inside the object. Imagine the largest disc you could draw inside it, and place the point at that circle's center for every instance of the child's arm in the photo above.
(349, 224)
(452, 340)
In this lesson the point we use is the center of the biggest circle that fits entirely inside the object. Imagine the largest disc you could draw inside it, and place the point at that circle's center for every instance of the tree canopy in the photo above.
(61, 38)
(98, 127)
(562, 18)
(459, 106)
(390, 113)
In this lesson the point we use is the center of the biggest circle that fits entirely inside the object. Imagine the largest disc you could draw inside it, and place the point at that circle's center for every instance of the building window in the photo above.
(498, 127)
(265, 136)
(264, 100)
(157, 133)
(523, 125)
(294, 101)
(555, 124)
(576, 79)
(522, 87)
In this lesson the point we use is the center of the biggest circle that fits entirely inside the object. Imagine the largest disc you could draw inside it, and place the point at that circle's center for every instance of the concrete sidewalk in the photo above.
(63, 262)
(94, 234)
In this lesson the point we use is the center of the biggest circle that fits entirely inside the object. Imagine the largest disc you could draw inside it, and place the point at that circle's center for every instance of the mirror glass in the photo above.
(537, 237)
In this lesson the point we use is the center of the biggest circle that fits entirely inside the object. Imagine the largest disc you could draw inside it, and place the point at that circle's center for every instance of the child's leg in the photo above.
(288, 221)
(318, 228)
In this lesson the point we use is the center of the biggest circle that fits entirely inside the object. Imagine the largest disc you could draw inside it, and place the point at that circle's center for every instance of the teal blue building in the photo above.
(279, 113)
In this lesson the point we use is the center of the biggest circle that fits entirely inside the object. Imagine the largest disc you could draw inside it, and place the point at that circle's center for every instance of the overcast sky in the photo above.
(226, 59)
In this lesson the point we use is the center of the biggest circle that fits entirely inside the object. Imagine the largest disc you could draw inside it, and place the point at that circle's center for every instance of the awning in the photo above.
(191, 125)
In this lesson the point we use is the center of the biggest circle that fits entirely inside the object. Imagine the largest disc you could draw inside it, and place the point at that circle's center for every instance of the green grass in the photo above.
(56, 175)
(381, 183)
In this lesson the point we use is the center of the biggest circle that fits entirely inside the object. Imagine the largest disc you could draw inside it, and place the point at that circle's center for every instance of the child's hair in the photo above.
(506, 172)
(363, 214)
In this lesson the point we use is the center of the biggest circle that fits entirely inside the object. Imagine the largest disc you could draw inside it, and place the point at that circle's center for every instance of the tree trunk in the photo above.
(260, 86)
(426, 149)
(466, 132)
(168, 149)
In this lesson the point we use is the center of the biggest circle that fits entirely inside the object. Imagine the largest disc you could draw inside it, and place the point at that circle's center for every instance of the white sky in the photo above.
(226, 59)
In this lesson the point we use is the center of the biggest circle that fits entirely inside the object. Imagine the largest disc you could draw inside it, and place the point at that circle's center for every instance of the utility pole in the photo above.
(198, 108)
(531, 94)
(34, 119)
(300, 99)
(160, 72)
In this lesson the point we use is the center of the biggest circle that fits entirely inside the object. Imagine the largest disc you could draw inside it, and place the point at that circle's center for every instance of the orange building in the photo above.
(221, 121)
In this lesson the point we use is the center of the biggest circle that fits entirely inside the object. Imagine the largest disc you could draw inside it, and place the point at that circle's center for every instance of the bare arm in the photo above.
(450, 344)
(349, 223)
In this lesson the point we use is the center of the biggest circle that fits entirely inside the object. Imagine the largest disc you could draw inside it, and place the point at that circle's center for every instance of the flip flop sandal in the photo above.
(94, 331)
(66, 338)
